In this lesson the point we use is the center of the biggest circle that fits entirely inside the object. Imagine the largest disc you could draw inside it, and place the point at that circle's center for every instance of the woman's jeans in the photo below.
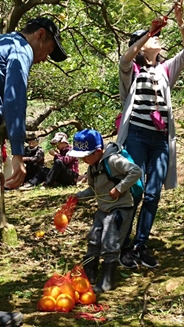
(149, 150)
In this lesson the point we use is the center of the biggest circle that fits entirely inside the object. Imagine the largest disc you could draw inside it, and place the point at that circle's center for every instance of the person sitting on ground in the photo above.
(33, 158)
(65, 169)
(115, 203)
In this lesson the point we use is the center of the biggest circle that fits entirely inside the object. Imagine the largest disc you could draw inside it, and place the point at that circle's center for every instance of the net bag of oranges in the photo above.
(83, 289)
(62, 293)
(63, 216)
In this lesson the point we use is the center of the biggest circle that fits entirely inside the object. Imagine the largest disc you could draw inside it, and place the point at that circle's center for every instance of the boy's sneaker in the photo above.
(11, 319)
(127, 258)
(141, 252)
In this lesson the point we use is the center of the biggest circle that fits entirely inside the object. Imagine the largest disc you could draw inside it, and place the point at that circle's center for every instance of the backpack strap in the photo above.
(115, 180)
(94, 174)
(105, 170)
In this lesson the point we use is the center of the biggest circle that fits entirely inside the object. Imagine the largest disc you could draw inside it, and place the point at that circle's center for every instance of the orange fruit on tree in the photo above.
(64, 303)
(88, 298)
(47, 303)
(81, 284)
(67, 288)
(77, 297)
(60, 220)
(53, 291)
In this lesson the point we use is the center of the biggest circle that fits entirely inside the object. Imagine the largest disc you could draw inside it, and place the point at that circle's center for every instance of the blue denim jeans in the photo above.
(149, 150)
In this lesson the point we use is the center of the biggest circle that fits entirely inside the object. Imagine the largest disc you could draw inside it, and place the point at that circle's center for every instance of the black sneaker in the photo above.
(127, 258)
(146, 259)
(11, 319)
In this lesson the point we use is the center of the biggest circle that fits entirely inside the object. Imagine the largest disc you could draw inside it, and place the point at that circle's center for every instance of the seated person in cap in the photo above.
(65, 169)
(115, 203)
(33, 158)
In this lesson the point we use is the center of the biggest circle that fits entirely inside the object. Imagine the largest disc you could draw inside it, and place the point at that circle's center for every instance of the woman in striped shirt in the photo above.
(145, 85)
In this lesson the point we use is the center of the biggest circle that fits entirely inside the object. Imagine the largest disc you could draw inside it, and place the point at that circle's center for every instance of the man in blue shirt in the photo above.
(18, 51)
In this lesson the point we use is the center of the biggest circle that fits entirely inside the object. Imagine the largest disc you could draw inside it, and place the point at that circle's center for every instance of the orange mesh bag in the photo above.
(63, 216)
(58, 294)
(82, 285)
(62, 292)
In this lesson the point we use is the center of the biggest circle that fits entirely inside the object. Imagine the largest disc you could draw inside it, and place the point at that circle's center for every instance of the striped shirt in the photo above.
(148, 98)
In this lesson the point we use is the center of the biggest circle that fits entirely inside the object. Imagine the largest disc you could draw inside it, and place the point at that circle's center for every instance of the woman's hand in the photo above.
(178, 11)
(157, 25)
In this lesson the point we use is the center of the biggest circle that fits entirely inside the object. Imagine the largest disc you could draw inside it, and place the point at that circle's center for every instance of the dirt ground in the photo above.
(143, 297)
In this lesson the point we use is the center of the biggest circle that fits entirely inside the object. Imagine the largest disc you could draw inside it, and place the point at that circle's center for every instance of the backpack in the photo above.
(136, 189)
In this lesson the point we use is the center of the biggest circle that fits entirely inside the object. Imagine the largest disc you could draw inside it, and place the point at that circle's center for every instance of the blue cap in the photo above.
(86, 142)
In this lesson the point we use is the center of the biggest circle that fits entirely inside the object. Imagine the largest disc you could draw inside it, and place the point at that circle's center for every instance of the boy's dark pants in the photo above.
(108, 233)
(105, 239)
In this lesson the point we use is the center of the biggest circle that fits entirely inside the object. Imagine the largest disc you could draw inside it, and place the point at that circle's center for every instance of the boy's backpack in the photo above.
(136, 189)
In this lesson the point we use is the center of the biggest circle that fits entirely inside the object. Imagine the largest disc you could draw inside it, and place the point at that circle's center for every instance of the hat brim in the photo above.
(59, 53)
(59, 140)
(79, 154)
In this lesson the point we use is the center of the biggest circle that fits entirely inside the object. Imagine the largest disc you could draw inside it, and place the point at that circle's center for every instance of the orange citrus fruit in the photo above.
(81, 284)
(47, 303)
(88, 298)
(67, 288)
(77, 296)
(60, 220)
(53, 291)
(64, 303)
(40, 233)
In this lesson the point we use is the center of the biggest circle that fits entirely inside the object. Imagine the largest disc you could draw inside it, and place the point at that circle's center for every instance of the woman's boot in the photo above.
(107, 281)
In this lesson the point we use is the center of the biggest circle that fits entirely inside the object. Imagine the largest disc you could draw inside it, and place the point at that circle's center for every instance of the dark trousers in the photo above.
(40, 176)
(31, 170)
(59, 174)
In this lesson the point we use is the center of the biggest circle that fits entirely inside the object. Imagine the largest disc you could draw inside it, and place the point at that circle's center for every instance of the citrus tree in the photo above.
(83, 90)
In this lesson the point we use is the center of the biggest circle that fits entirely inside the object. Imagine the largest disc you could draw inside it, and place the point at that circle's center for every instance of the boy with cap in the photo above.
(115, 203)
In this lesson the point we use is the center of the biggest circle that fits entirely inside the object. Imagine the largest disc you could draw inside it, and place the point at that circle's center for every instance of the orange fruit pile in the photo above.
(64, 297)
(58, 298)
(83, 290)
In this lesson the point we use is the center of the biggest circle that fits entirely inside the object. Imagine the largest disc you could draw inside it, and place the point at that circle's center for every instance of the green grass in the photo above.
(143, 297)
